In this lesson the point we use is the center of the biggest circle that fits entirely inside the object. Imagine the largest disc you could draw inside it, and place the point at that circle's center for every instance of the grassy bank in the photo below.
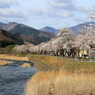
(66, 63)
(52, 60)
(61, 83)
(73, 77)
(3, 56)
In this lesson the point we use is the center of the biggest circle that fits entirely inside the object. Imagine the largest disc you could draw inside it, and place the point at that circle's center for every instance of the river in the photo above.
(13, 78)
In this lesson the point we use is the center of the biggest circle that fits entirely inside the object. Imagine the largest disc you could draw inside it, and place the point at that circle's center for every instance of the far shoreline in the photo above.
(3, 56)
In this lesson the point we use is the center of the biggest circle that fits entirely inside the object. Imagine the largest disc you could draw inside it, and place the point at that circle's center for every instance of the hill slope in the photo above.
(8, 37)
(37, 35)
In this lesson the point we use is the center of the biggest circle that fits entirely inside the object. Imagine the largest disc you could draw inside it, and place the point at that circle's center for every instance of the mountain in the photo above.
(76, 29)
(9, 26)
(2, 24)
(26, 39)
(7, 38)
(31, 33)
(49, 29)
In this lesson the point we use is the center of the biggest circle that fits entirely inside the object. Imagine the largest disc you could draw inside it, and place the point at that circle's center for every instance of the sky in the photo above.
(40, 13)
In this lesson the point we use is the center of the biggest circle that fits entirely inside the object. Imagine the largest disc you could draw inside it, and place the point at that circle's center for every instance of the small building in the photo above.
(85, 52)
(90, 52)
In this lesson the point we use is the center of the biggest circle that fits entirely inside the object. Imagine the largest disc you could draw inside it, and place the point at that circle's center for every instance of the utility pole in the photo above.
(83, 44)
(83, 33)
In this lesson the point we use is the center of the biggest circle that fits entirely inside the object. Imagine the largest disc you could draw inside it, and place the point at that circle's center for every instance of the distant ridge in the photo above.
(2, 24)
(49, 29)
(31, 35)
(9, 26)
(76, 29)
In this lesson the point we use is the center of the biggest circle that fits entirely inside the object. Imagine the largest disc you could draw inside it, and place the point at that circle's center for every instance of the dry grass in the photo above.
(76, 78)
(26, 65)
(52, 60)
(14, 57)
(61, 83)
(66, 63)
(3, 63)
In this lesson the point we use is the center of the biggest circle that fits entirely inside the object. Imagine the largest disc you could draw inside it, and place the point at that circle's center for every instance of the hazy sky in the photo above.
(41, 13)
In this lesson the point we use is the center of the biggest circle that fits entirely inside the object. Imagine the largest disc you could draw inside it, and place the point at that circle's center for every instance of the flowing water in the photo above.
(13, 78)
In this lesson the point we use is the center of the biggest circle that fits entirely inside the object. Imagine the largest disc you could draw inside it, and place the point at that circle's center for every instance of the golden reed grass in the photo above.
(14, 58)
(3, 63)
(61, 83)
(26, 65)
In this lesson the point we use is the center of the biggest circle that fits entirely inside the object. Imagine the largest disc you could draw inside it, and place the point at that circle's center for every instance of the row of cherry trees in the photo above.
(65, 43)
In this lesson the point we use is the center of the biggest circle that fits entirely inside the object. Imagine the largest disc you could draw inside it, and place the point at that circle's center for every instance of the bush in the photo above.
(22, 54)
(8, 49)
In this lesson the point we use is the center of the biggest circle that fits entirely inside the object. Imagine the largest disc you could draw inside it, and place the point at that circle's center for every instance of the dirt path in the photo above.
(42, 66)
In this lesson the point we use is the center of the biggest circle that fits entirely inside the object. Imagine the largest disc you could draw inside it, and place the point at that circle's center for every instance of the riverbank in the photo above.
(67, 77)
(3, 56)
(71, 77)
(68, 64)
(40, 66)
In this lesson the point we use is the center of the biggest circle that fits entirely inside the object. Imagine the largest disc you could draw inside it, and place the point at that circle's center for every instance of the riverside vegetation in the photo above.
(4, 56)
(66, 63)
(73, 77)
(61, 83)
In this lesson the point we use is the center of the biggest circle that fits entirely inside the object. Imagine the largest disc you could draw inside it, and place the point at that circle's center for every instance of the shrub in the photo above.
(22, 54)
(8, 49)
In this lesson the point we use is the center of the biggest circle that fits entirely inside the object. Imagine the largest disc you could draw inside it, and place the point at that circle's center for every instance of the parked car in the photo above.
(86, 56)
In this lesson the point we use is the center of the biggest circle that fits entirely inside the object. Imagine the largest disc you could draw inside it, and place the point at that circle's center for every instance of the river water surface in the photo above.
(13, 78)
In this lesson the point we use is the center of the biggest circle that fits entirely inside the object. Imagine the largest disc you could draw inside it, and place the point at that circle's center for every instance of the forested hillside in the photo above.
(36, 35)
(7, 38)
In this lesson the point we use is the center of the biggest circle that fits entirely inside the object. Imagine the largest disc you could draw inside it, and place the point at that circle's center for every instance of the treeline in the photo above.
(5, 43)
(15, 37)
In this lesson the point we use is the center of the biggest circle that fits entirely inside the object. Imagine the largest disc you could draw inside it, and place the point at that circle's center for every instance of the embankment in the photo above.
(40, 66)
(66, 63)
(14, 58)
